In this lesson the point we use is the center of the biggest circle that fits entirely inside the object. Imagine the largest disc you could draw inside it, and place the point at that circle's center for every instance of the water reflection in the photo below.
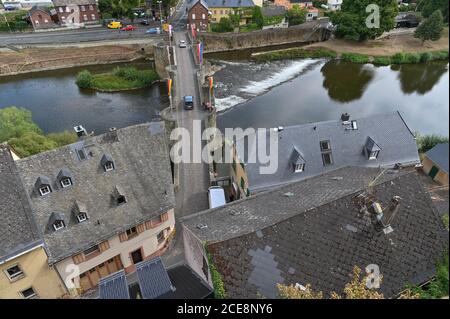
(419, 78)
(345, 81)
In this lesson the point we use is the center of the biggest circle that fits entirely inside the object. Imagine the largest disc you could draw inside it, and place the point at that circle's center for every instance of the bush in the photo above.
(84, 79)
(398, 58)
(63, 138)
(14, 122)
(224, 25)
(296, 53)
(412, 58)
(382, 60)
(427, 142)
(425, 57)
(354, 57)
(31, 143)
(440, 55)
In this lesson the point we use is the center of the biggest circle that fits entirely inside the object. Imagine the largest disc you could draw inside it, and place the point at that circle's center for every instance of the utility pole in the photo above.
(160, 13)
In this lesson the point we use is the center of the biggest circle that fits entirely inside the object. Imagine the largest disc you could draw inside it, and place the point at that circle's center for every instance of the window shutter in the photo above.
(77, 259)
(123, 237)
(164, 217)
(103, 246)
(148, 224)
(140, 228)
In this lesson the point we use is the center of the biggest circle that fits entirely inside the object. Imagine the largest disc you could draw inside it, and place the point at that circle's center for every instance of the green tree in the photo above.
(427, 8)
(63, 138)
(84, 79)
(257, 17)
(31, 143)
(427, 142)
(431, 28)
(351, 19)
(296, 15)
(14, 122)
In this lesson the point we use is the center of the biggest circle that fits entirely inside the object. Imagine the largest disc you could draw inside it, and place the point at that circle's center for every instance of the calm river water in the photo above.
(57, 104)
(294, 92)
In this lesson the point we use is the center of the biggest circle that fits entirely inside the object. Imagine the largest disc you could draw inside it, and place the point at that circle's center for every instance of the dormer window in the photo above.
(327, 158)
(107, 163)
(82, 217)
(65, 178)
(43, 185)
(298, 168)
(45, 190)
(59, 224)
(119, 195)
(371, 149)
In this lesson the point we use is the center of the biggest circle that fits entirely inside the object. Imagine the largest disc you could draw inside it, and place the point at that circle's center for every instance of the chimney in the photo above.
(345, 117)
(392, 210)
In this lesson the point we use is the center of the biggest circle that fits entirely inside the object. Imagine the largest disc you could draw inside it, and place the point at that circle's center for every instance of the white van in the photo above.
(216, 196)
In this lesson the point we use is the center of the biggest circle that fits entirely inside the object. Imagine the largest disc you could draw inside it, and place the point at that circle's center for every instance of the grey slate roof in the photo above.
(388, 130)
(142, 173)
(229, 3)
(59, 3)
(273, 11)
(18, 230)
(153, 278)
(319, 241)
(439, 155)
(191, 3)
(114, 286)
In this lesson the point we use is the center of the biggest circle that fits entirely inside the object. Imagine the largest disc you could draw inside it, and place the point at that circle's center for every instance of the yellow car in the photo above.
(114, 25)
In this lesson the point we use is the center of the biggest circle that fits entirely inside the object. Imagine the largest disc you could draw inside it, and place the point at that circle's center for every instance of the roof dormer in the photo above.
(107, 163)
(80, 212)
(57, 221)
(42, 185)
(65, 178)
(371, 149)
(297, 161)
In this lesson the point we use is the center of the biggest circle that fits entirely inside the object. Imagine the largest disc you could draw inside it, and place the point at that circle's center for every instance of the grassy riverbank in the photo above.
(121, 79)
(295, 53)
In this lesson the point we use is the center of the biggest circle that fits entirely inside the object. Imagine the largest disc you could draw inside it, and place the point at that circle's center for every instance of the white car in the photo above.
(182, 44)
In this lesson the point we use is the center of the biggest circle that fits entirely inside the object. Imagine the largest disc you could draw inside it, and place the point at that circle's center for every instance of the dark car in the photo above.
(188, 102)
(145, 22)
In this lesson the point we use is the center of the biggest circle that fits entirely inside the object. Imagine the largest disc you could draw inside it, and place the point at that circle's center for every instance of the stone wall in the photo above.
(161, 56)
(307, 32)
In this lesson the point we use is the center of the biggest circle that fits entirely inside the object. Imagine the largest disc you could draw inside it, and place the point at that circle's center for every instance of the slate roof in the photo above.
(18, 230)
(59, 3)
(319, 241)
(439, 155)
(273, 11)
(194, 2)
(153, 278)
(114, 286)
(142, 172)
(229, 3)
(388, 130)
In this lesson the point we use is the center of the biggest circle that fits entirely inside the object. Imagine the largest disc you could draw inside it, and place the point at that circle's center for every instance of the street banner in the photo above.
(169, 86)
(211, 82)
(193, 32)
(200, 52)
(170, 30)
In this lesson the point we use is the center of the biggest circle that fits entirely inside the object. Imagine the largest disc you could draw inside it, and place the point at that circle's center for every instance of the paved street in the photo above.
(193, 178)
(74, 36)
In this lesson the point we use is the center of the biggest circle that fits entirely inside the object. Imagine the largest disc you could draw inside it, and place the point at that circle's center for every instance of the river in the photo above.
(57, 104)
(293, 92)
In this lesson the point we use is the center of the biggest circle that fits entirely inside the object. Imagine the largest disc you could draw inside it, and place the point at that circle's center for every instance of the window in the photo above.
(203, 16)
(45, 21)
(29, 293)
(59, 224)
(193, 16)
(83, 8)
(37, 22)
(82, 217)
(132, 232)
(109, 166)
(325, 146)
(93, 16)
(85, 17)
(373, 155)
(81, 155)
(91, 7)
(121, 200)
(44, 190)
(298, 168)
(160, 237)
(61, 10)
(67, 9)
(92, 250)
(14, 273)
(66, 182)
(327, 159)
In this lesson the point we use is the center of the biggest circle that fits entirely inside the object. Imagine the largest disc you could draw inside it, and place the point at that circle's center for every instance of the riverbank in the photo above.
(27, 60)
(394, 49)
(120, 79)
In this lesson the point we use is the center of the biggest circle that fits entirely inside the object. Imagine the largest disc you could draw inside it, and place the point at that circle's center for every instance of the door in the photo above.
(433, 172)
(136, 256)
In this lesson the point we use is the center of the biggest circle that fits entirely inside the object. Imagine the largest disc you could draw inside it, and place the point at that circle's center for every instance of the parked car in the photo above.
(153, 31)
(188, 102)
(182, 44)
(115, 25)
(129, 28)
(145, 22)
